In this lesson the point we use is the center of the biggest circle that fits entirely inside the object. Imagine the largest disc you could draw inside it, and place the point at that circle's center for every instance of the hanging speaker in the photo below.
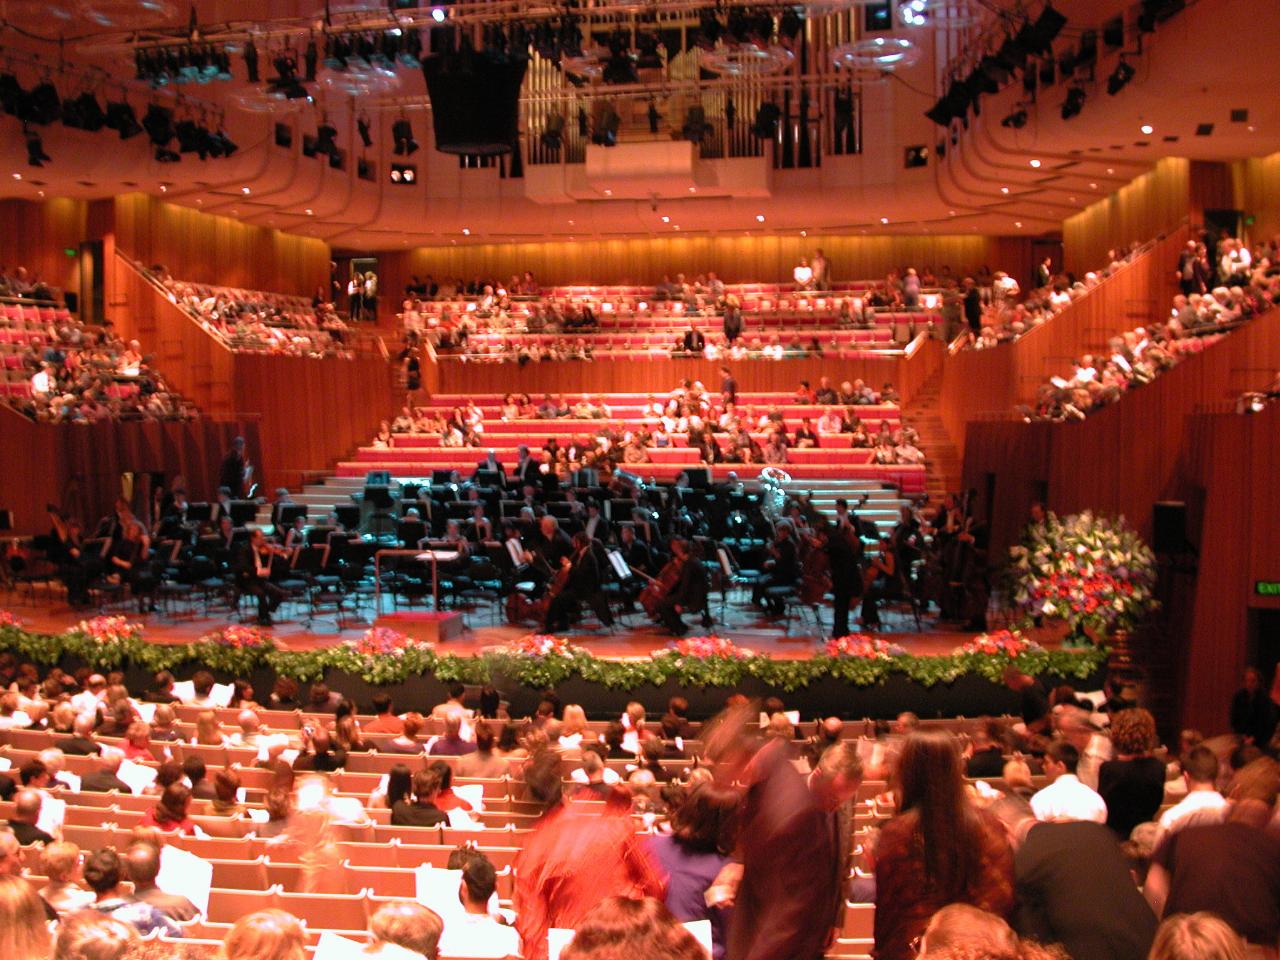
(1169, 526)
(475, 100)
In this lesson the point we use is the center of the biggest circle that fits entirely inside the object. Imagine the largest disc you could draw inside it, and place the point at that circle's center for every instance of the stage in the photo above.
(935, 673)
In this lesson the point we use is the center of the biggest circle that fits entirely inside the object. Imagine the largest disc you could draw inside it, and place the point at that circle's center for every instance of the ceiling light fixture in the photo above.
(1147, 128)
(1035, 163)
(884, 219)
(1004, 189)
(759, 218)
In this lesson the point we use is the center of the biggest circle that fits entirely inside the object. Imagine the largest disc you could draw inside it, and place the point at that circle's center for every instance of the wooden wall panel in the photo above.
(87, 462)
(661, 376)
(1154, 203)
(764, 259)
(313, 412)
(35, 235)
(206, 248)
(1257, 193)
(979, 384)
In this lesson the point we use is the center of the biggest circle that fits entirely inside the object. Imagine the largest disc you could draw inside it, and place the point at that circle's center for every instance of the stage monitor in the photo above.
(290, 512)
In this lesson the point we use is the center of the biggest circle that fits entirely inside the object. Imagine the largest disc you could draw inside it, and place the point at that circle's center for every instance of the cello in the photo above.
(660, 586)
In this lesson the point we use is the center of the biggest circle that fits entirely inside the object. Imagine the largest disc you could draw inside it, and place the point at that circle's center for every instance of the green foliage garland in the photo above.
(537, 671)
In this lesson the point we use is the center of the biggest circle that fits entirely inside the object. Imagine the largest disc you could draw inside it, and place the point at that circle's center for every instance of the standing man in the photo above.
(1044, 272)
(821, 279)
(234, 472)
(795, 849)
(972, 306)
(844, 553)
(728, 387)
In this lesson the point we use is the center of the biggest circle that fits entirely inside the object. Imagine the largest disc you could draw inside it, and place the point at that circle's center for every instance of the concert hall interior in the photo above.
(881, 365)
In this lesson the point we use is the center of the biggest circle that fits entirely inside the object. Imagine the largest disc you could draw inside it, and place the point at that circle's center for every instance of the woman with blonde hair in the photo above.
(208, 730)
(266, 935)
(89, 935)
(574, 726)
(60, 862)
(1196, 936)
(24, 930)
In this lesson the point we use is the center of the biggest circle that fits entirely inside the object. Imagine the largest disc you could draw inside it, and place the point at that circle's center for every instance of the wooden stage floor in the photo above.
(634, 638)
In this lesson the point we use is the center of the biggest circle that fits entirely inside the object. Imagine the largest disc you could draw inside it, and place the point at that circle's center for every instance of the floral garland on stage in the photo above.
(383, 656)
(1092, 572)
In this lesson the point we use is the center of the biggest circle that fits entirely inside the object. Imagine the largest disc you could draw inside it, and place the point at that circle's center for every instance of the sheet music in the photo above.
(438, 889)
(221, 694)
(184, 874)
(136, 775)
(330, 946)
(184, 690)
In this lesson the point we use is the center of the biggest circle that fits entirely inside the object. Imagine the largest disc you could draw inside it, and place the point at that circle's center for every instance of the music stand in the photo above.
(348, 515)
(198, 513)
(489, 478)
(377, 478)
(290, 512)
(382, 505)
(242, 511)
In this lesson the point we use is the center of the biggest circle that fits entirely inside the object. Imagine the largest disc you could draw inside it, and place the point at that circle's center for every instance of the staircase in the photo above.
(942, 467)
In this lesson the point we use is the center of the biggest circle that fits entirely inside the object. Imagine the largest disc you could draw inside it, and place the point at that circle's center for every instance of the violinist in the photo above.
(781, 569)
(689, 593)
(581, 584)
(255, 575)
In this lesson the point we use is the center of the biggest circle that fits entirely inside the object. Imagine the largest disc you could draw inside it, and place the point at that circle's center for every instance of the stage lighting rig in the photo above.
(36, 157)
(1120, 77)
(1016, 120)
(362, 127)
(122, 119)
(1074, 103)
(402, 135)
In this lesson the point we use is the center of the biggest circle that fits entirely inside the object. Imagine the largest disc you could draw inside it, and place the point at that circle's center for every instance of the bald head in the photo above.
(26, 806)
(143, 863)
(84, 725)
(54, 760)
(110, 759)
(248, 721)
(831, 728)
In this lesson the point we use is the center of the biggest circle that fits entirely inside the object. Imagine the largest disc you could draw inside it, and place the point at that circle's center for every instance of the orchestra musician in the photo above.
(255, 575)
(581, 584)
(546, 549)
(845, 554)
(235, 470)
(881, 580)
(781, 569)
(639, 558)
(66, 549)
(689, 592)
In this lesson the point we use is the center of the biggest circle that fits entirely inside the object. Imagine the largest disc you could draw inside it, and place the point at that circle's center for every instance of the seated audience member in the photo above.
(81, 743)
(986, 759)
(385, 719)
(473, 931)
(266, 935)
(1096, 912)
(61, 863)
(422, 812)
(143, 862)
(24, 922)
(26, 813)
(452, 744)
(1230, 868)
(170, 814)
(1197, 936)
(91, 936)
(1066, 798)
(1203, 802)
(104, 875)
(622, 927)
(103, 779)
(454, 704)
(194, 769)
(405, 741)
(482, 763)
(404, 930)
(163, 729)
(319, 753)
(959, 929)
(226, 786)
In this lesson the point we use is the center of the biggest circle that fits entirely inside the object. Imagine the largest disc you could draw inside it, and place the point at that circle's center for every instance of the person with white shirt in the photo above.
(471, 930)
(1202, 803)
(803, 274)
(1066, 798)
(90, 698)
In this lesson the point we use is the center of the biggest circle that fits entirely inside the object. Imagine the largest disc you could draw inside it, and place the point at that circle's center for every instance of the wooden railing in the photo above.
(982, 384)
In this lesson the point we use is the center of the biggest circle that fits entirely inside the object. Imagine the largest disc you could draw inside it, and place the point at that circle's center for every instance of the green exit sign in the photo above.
(69, 251)
(1267, 588)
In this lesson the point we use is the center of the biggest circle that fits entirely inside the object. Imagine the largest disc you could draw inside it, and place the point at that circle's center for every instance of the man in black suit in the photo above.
(25, 814)
(1044, 272)
(596, 525)
(143, 863)
(844, 553)
(231, 474)
(490, 462)
(81, 743)
(583, 586)
(254, 574)
(689, 595)
(782, 569)
(1074, 887)
(732, 320)
(694, 341)
(526, 471)
(972, 306)
(728, 386)
(104, 779)
(794, 850)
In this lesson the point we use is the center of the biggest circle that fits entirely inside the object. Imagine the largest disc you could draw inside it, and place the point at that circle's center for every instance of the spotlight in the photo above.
(1074, 103)
(192, 138)
(790, 23)
(158, 123)
(606, 131)
(42, 104)
(164, 155)
(1120, 77)
(36, 156)
(286, 79)
(995, 71)
(362, 127)
(404, 174)
(11, 93)
(221, 145)
(402, 134)
(1016, 120)
(326, 139)
(1012, 54)
(251, 61)
(767, 118)
(438, 14)
(1047, 27)
(309, 58)
(121, 118)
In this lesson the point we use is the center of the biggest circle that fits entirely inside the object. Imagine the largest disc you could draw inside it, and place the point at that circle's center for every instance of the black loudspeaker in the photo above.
(1169, 526)
(475, 100)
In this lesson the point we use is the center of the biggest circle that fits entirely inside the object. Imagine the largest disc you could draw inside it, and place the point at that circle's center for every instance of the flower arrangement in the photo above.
(544, 645)
(240, 637)
(385, 642)
(109, 630)
(10, 619)
(1008, 643)
(1092, 572)
(863, 647)
(703, 648)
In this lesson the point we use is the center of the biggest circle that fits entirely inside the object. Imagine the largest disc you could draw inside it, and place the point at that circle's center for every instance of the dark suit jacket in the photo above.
(172, 905)
(1074, 888)
(28, 833)
(405, 814)
(100, 781)
(78, 746)
(795, 857)
(694, 341)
